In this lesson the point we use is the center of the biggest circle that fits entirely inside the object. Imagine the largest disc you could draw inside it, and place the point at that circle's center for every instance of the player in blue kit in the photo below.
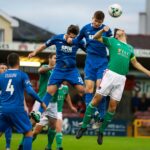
(96, 59)
(65, 68)
(13, 82)
(8, 132)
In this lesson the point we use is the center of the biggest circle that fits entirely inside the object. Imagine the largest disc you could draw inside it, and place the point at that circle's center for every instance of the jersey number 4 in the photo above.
(10, 87)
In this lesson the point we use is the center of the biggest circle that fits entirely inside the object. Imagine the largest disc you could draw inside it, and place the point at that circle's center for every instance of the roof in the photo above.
(139, 41)
(27, 32)
(13, 22)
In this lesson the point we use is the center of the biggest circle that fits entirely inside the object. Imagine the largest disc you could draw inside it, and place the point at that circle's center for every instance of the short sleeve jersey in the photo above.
(12, 86)
(120, 55)
(65, 53)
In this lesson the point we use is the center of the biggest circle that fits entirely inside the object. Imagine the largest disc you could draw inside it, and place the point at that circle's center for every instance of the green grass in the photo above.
(85, 143)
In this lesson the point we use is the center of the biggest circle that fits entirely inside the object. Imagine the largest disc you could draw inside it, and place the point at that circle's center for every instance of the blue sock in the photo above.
(102, 107)
(27, 143)
(8, 134)
(88, 98)
(46, 99)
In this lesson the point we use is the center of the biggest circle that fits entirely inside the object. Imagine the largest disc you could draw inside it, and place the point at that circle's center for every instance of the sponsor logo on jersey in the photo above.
(66, 49)
(123, 53)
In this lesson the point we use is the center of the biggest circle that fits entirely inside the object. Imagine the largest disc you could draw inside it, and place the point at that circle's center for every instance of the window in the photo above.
(1, 35)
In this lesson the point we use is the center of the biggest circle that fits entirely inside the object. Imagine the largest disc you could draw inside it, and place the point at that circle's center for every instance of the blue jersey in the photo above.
(12, 86)
(65, 53)
(93, 46)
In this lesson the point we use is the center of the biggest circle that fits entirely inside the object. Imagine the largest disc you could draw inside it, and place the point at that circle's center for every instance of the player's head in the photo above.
(73, 31)
(52, 59)
(119, 33)
(98, 19)
(3, 67)
(13, 60)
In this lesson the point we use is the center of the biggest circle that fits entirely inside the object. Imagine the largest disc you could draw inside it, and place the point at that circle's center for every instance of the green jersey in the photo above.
(43, 82)
(120, 55)
(60, 96)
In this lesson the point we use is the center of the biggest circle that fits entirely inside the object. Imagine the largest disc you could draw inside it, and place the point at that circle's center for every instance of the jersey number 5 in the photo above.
(10, 87)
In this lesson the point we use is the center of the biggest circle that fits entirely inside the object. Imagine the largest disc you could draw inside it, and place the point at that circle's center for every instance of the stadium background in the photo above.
(22, 37)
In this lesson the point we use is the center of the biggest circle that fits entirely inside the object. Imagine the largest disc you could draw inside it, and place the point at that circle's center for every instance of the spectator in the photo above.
(143, 103)
(135, 102)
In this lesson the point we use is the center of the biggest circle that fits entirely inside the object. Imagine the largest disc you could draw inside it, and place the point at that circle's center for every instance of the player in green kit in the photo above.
(45, 71)
(53, 117)
(121, 54)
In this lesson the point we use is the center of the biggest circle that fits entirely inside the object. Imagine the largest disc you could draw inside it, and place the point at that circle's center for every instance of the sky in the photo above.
(57, 15)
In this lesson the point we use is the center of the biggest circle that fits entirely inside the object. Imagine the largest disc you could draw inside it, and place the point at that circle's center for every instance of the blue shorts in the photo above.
(72, 76)
(18, 120)
(94, 67)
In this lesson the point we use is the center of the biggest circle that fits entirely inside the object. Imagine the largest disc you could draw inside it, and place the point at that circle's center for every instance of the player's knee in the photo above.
(51, 92)
(58, 129)
(96, 99)
(53, 126)
(89, 89)
(112, 107)
(37, 129)
(81, 92)
(52, 89)
(52, 123)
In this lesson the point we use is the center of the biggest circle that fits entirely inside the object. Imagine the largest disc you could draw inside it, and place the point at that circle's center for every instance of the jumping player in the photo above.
(114, 78)
(96, 58)
(65, 68)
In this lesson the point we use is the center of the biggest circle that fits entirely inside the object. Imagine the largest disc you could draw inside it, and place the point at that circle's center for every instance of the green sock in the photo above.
(107, 119)
(87, 117)
(59, 137)
(51, 135)
(21, 142)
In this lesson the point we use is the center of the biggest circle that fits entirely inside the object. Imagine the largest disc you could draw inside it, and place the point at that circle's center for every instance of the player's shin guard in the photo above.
(51, 135)
(107, 119)
(88, 98)
(27, 144)
(59, 137)
(102, 108)
(87, 117)
(8, 134)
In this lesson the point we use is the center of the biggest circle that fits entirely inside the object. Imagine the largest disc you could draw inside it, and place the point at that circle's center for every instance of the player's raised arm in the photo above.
(139, 67)
(43, 69)
(98, 35)
(36, 51)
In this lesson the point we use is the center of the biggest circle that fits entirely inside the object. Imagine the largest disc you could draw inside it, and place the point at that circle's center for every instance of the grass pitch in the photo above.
(85, 143)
